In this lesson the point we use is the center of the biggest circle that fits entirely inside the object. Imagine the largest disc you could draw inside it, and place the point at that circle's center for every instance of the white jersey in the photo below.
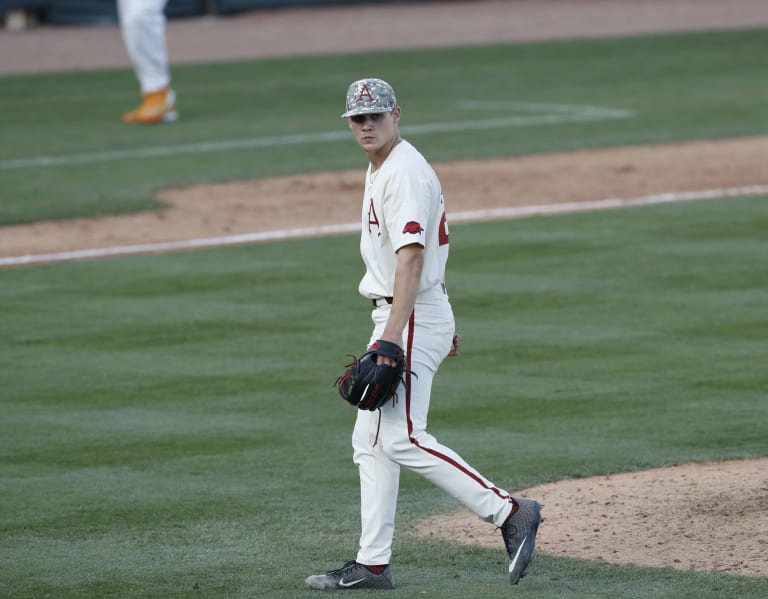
(403, 204)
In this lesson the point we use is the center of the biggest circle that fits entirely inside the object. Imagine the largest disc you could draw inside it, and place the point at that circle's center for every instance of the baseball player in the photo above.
(404, 246)
(142, 24)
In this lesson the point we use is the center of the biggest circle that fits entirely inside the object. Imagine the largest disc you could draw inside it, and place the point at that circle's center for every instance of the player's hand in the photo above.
(384, 360)
(455, 344)
(380, 359)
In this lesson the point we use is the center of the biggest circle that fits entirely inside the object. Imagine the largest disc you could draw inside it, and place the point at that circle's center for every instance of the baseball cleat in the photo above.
(156, 107)
(519, 534)
(351, 576)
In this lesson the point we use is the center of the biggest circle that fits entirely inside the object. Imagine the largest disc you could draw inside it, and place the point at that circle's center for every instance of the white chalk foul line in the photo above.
(187, 244)
(544, 209)
(468, 216)
(547, 117)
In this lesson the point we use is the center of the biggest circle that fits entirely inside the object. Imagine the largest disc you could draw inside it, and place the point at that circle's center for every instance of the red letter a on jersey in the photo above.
(372, 218)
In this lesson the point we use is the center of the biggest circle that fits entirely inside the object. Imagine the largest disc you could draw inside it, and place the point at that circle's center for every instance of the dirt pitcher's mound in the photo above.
(710, 516)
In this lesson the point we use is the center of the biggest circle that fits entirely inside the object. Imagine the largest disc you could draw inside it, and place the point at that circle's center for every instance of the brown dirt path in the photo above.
(367, 27)
(716, 515)
(280, 203)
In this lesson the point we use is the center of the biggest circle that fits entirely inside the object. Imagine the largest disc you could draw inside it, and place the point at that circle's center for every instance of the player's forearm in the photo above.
(410, 262)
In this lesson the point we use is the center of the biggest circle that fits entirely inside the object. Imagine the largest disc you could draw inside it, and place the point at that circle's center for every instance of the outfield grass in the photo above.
(674, 87)
(169, 421)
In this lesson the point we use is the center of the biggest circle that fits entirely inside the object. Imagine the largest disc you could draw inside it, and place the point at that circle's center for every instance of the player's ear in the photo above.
(396, 114)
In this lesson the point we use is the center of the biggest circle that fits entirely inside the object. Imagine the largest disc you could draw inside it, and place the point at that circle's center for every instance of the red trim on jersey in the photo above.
(437, 454)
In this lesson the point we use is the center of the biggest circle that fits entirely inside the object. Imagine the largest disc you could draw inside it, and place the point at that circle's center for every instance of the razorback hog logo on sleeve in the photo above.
(412, 227)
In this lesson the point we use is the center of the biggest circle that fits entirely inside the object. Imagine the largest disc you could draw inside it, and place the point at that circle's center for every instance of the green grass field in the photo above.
(168, 426)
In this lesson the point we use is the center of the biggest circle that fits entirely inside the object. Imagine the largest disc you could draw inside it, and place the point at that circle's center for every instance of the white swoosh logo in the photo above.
(346, 585)
(517, 554)
(365, 392)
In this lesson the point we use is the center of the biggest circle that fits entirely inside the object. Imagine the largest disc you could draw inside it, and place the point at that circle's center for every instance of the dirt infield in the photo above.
(711, 516)
(280, 203)
(715, 515)
(368, 27)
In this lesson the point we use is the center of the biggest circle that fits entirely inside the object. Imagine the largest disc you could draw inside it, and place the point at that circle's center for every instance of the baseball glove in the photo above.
(367, 385)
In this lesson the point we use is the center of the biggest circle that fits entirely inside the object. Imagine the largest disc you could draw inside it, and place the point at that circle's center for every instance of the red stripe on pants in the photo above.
(437, 454)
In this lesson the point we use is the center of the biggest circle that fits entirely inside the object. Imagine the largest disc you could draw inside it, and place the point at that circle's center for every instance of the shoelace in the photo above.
(344, 567)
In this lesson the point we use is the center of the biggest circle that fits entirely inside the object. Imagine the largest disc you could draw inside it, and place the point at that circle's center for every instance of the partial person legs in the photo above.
(400, 439)
(396, 436)
(142, 24)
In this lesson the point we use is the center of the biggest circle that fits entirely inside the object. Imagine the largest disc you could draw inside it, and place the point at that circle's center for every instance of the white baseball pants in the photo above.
(142, 24)
(396, 436)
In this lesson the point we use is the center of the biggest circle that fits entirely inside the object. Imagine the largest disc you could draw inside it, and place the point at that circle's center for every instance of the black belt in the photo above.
(376, 301)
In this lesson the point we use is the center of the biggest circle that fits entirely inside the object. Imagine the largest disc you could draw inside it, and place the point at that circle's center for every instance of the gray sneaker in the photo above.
(519, 534)
(351, 576)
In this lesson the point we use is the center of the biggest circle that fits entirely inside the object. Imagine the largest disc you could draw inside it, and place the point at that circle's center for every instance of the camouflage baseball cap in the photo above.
(369, 96)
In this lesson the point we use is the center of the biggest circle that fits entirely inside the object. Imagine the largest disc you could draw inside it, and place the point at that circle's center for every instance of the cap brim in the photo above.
(371, 110)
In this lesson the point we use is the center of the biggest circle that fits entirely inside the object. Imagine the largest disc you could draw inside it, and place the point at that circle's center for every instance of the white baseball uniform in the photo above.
(402, 205)
(142, 24)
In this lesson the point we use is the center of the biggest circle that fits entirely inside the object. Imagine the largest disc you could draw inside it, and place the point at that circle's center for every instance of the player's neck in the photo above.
(377, 158)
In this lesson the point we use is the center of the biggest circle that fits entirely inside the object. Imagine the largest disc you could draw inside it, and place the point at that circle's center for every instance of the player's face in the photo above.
(375, 132)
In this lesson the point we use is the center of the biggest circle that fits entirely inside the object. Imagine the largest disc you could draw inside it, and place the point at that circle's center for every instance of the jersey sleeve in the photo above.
(406, 208)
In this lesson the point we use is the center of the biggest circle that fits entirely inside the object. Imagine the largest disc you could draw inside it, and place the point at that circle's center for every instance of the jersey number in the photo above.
(442, 236)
